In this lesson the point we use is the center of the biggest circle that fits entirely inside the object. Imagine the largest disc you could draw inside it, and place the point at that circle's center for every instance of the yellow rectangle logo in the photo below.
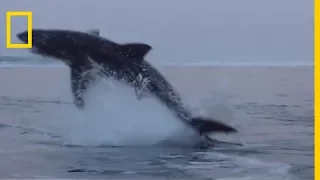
(9, 14)
(316, 89)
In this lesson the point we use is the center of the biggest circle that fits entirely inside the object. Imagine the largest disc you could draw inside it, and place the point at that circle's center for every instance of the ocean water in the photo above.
(118, 137)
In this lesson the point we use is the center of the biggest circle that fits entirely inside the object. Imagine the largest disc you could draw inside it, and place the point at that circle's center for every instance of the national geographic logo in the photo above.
(9, 15)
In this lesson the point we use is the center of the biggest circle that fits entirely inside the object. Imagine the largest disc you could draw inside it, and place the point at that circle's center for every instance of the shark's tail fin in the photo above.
(211, 125)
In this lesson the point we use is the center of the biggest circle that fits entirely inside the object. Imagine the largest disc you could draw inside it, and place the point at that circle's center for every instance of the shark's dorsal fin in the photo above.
(94, 32)
(135, 51)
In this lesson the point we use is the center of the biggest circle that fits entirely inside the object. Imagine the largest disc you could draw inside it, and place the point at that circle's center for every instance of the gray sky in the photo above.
(183, 31)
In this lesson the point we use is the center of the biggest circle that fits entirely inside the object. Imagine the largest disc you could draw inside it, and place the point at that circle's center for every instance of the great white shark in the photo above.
(125, 62)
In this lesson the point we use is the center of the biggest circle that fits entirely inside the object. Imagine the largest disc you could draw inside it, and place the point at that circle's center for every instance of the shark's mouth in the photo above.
(35, 50)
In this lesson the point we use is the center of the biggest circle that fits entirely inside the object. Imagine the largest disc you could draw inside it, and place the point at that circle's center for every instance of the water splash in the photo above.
(114, 116)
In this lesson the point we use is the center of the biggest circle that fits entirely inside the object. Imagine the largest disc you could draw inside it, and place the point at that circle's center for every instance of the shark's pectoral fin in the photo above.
(205, 126)
(80, 81)
(133, 51)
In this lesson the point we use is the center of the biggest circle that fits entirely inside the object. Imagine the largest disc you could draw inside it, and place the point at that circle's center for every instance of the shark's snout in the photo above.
(23, 36)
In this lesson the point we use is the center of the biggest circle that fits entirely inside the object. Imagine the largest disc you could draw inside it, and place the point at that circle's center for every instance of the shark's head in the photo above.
(60, 44)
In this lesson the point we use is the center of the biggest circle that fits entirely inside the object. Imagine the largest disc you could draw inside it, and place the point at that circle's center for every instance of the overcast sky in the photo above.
(183, 31)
